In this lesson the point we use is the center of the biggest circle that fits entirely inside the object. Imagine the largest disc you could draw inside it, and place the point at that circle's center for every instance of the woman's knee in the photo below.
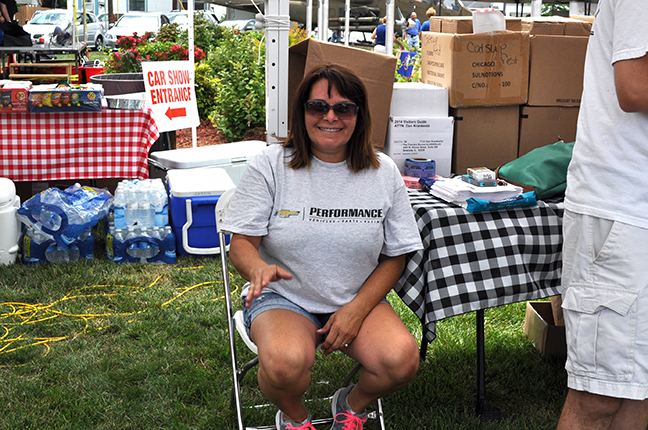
(285, 366)
(402, 363)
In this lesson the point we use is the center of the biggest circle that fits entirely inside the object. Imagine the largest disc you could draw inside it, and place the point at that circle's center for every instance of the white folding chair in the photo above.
(235, 324)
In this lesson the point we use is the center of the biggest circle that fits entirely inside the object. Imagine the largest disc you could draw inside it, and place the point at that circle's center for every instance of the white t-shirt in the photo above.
(608, 175)
(325, 224)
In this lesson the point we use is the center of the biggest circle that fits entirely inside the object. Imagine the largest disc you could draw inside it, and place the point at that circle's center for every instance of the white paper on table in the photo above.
(456, 190)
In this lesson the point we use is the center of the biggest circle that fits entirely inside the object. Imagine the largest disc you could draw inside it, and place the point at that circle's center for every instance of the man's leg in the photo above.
(587, 411)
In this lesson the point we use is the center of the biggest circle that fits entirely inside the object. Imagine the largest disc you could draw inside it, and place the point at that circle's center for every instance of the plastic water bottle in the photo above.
(132, 207)
(50, 219)
(144, 247)
(146, 216)
(161, 206)
(120, 206)
(168, 243)
(132, 250)
(73, 252)
(57, 253)
(85, 245)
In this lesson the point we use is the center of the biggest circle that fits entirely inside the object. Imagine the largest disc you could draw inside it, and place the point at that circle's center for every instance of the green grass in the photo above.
(93, 344)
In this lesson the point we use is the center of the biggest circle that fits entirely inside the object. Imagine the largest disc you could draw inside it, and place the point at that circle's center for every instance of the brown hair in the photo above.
(360, 153)
(430, 12)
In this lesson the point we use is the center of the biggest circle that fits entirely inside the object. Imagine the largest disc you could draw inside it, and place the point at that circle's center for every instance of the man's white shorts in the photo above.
(605, 303)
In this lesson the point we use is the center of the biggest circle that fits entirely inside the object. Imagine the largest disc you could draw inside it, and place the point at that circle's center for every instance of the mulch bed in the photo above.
(206, 135)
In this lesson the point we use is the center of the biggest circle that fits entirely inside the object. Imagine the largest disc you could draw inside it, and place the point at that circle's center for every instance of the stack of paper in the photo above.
(455, 190)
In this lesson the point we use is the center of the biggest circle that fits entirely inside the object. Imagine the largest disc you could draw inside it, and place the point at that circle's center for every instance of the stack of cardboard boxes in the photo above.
(509, 92)
(558, 48)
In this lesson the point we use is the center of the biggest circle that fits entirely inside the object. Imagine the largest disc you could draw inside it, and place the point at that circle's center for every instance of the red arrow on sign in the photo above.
(176, 113)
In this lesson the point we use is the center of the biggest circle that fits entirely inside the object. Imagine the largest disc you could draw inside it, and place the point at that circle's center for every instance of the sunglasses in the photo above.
(319, 108)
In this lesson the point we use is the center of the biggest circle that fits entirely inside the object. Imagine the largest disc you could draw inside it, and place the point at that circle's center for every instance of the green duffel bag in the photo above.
(543, 170)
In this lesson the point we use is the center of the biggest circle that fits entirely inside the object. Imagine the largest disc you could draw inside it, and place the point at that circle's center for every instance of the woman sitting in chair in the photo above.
(321, 225)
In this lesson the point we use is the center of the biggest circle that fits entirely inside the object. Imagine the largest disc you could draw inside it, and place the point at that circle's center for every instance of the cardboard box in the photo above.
(49, 98)
(416, 137)
(14, 100)
(487, 69)
(416, 99)
(544, 125)
(539, 326)
(556, 70)
(556, 26)
(484, 136)
(587, 18)
(376, 71)
(464, 24)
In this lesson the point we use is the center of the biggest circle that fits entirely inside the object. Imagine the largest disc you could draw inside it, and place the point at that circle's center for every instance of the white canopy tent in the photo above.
(276, 23)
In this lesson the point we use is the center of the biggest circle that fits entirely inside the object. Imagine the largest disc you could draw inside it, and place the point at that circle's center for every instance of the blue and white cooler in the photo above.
(192, 203)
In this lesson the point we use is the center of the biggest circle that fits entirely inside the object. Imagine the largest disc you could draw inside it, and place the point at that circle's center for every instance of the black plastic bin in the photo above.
(120, 83)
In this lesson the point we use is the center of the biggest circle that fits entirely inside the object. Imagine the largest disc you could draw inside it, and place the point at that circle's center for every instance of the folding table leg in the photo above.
(484, 411)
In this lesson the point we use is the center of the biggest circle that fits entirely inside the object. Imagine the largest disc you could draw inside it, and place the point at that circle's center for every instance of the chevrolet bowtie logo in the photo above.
(284, 213)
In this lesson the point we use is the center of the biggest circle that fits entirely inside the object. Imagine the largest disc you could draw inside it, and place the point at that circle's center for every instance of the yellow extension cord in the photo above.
(29, 314)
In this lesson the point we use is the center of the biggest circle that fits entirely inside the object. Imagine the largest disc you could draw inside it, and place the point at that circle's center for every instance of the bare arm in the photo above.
(631, 82)
(398, 42)
(344, 325)
(4, 13)
(244, 254)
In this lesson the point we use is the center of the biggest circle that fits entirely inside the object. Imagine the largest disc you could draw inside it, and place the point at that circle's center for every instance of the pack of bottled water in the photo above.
(141, 203)
(57, 224)
(40, 247)
(66, 214)
(138, 230)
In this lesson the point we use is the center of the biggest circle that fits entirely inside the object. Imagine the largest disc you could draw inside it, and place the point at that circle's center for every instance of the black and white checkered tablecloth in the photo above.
(473, 261)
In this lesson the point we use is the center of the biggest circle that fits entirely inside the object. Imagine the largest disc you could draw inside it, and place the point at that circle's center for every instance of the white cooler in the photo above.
(193, 194)
(233, 157)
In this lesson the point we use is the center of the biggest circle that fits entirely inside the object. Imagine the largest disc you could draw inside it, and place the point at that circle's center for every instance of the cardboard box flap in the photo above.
(464, 24)
(376, 71)
(539, 326)
(557, 26)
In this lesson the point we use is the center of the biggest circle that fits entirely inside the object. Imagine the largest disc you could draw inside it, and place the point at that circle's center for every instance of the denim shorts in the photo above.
(605, 305)
(269, 300)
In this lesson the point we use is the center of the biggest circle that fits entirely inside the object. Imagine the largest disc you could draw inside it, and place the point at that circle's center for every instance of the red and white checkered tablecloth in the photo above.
(76, 145)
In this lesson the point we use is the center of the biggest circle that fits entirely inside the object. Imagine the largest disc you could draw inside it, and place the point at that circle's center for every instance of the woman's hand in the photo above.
(342, 329)
(244, 255)
(260, 277)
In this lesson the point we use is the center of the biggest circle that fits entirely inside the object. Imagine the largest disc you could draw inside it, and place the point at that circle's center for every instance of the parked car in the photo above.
(182, 17)
(43, 24)
(240, 24)
(135, 22)
(103, 18)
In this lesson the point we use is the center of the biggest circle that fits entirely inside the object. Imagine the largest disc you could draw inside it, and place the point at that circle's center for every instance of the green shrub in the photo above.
(239, 66)
(206, 89)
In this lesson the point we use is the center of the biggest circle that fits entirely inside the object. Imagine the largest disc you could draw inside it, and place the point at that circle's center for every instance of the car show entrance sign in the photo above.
(170, 93)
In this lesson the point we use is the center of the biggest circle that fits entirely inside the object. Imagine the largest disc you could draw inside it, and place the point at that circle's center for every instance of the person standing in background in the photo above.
(413, 30)
(605, 228)
(426, 25)
(378, 37)
(8, 9)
